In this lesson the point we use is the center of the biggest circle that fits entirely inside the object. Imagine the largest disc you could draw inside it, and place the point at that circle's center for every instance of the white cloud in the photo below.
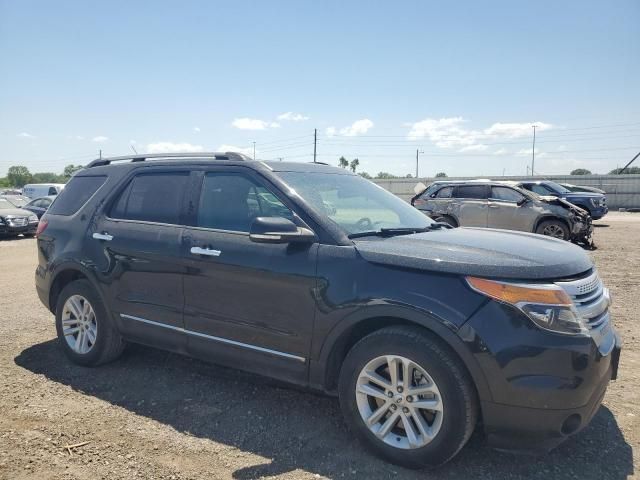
(501, 151)
(474, 148)
(515, 130)
(330, 131)
(26, 135)
(526, 152)
(359, 127)
(170, 147)
(196, 129)
(449, 132)
(253, 124)
(292, 117)
(100, 139)
(132, 142)
(232, 148)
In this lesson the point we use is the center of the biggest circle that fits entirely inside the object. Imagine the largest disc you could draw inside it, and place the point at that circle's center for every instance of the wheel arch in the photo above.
(64, 274)
(349, 332)
(544, 218)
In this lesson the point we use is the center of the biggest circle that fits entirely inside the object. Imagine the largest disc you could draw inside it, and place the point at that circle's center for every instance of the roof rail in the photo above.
(187, 155)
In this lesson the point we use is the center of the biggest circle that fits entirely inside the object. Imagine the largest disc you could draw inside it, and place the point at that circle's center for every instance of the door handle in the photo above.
(494, 206)
(205, 251)
(102, 236)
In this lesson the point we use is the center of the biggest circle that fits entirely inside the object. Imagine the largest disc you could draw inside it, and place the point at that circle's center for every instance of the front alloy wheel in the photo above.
(399, 402)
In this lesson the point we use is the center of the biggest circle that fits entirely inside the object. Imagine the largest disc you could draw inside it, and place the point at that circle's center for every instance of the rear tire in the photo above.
(85, 330)
(553, 228)
(420, 436)
(447, 220)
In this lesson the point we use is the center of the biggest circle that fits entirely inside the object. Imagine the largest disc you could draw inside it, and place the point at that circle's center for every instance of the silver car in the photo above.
(500, 205)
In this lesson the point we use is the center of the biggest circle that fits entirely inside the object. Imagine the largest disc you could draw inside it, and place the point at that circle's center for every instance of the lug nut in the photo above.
(399, 389)
(393, 407)
(390, 394)
(409, 399)
(405, 409)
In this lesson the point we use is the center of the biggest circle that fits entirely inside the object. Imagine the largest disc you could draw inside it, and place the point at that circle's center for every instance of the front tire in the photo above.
(84, 328)
(407, 397)
(553, 228)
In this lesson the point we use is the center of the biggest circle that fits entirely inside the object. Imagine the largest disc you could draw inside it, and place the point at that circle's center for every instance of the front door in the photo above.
(248, 305)
(508, 210)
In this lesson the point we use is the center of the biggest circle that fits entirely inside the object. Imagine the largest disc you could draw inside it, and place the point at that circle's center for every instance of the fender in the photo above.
(448, 332)
(65, 265)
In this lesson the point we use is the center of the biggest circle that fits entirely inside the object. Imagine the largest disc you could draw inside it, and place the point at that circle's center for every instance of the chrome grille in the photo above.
(590, 297)
(18, 221)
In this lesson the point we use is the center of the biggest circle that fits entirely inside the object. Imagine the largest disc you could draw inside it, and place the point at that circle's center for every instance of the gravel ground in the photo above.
(163, 416)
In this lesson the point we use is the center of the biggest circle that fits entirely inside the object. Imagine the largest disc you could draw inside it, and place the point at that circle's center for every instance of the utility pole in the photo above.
(254, 150)
(620, 172)
(100, 153)
(533, 150)
(315, 143)
(418, 152)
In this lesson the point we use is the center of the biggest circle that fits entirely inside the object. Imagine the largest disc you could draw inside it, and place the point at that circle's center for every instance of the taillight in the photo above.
(42, 226)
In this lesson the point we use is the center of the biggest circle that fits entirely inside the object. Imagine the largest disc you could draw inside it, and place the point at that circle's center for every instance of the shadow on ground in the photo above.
(299, 430)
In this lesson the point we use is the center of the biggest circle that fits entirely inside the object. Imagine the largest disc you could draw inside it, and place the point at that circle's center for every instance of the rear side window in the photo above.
(153, 197)
(77, 192)
(472, 191)
(444, 192)
(52, 191)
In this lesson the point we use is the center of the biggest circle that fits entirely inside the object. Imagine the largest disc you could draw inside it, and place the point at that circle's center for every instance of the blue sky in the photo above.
(462, 81)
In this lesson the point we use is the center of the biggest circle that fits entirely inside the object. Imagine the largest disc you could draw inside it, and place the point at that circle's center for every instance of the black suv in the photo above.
(316, 276)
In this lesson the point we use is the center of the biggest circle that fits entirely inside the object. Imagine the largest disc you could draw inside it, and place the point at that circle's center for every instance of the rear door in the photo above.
(140, 238)
(507, 210)
(471, 205)
(248, 305)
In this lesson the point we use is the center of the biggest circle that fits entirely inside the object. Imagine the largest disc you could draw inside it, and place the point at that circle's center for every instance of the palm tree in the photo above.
(354, 164)
(343, 162)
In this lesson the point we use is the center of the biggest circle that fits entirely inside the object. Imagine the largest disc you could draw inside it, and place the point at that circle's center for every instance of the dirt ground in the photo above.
(163, 416)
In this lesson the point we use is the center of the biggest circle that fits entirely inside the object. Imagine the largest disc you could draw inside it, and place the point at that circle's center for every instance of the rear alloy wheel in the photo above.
(84, 328)
(553, 228)
(407, 397)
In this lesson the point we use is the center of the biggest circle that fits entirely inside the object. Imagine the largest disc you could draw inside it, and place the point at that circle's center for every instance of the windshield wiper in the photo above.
(391, 232)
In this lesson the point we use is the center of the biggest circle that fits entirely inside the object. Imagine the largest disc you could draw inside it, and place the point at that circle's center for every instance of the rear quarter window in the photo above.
(76, 193)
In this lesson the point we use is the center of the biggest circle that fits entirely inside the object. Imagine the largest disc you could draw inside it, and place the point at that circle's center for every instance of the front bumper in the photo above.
(544, 386)
(28, 229)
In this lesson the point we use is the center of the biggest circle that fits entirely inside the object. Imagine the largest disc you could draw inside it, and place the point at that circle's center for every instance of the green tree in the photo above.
(18, 176)
(47, 177)
(580, 171)
(343, 162)
(630, 170)
(365, 175)
(385, 175)
(69, 170)
(441, 175)
(354, 164)
(4, 182)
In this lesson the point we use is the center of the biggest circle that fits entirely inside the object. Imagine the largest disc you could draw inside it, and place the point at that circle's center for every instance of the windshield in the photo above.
(355, 204)
(556, 187)
(16, 200)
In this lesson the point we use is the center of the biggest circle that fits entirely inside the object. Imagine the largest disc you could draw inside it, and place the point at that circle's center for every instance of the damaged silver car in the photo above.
(502, 205)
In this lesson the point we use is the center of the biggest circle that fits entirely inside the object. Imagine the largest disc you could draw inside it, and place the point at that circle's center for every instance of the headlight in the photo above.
(547, 305)
(33, 219)
(595, 202)
(1, 221)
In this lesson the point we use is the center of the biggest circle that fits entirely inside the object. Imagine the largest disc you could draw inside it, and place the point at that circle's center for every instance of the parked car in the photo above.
(14, 220)
(39, 206)
(419, 328)
(10, 191)
(36, 190)
(594, 203)
(492, 204)
(17, 200)
(578, 188)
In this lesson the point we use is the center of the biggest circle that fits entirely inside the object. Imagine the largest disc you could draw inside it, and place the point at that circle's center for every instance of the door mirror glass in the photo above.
(279, 230)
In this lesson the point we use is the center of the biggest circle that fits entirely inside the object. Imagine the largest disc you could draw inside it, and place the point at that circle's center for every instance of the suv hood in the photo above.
(480, 252)
(566, 203)
(583, 195)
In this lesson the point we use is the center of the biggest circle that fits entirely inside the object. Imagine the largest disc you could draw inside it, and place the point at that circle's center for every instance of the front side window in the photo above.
(540, 189)
(232, 202)
(152, 197)
(355, 204)
(471, 191)
(506, 194)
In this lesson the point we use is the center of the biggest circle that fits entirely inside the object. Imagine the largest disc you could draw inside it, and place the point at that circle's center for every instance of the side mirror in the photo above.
(279, 230)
